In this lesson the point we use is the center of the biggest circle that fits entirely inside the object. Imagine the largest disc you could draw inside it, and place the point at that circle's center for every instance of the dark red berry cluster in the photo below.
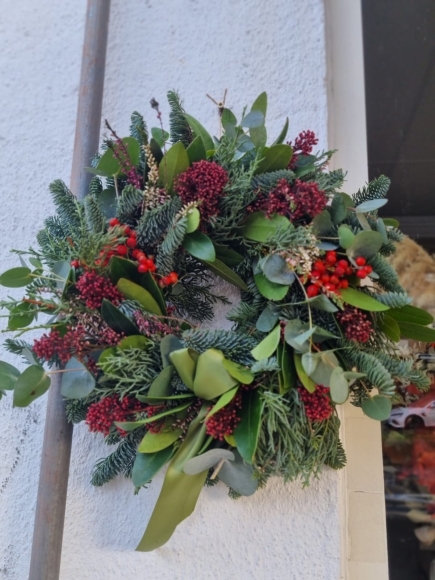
(303, 145)
(204, 181)
(356, 323)
(224, 421)
(101, 415)
(318, 406)
(54, 346)
(93, 289)
(331, 274)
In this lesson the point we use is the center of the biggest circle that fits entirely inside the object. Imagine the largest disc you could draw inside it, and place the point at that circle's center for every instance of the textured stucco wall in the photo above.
(196, 46)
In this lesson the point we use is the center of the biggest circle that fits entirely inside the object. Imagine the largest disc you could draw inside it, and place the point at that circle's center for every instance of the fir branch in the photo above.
(167, 250)
(330, 181)
(388, 278)
(156, 222)
(405, 371)
(393, 299)
(179, 127)
(120, 461)
(376, 189)
(69, 211)
(138, 128)
(267, 181)
(266, 365)
(234, 345)
(369, 364)
(129, 205)
(76, 410)
(95, 219)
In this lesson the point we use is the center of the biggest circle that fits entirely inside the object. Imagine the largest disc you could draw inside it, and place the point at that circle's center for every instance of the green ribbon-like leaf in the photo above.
(211, 377)
(361, 300)
(133, 291)
(247, 431)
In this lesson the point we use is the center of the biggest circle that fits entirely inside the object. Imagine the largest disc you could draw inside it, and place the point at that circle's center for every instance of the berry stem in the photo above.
(217, 469)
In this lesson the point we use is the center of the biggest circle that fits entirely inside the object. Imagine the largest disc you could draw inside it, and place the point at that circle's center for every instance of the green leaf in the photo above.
(148, 282)
(239, 476)
(416, 332)
(276, 269)
(21, 316)
(132, 425)
(185, 364)
(196, 150)
(228, 118)
(133, 291)
(390, 328)
(134, 341)
(268, 345)
(309, 384)
(193, 219)
(283, 133)
(239, 372)
(109, 164)
(16, 278)
(77, 381)
(258, 227)
(322, 224)
(339, 387)
(377, 407)
(168, 344)
(211, 377)
(252, 120)
(223, 401)
(391, 222)
(174, 162)
(224, 272)
(297, 333)
(247, 431)
(270, 290)
(364, 223)
(30, 385)
(161, 385)
(275, 158)
(8, 376)
(111, 351)
(154, 442)
(411, 314)
(199, 246)
(322, 302)
(259, 134)
(156, 150)
(35, 262)
(199, 131)
(227, 255)
(179, 493)
(371, 205)
(107, 202)
(160, 135)
(287, 374)
(361, 300)
(325, 367)
(365, 244)
(158, 400)
(309, 362)
(123, 268)
(267, 320)
(117, 321)
(340, 207)
(147, 465)
(346, 236)
(207, 460)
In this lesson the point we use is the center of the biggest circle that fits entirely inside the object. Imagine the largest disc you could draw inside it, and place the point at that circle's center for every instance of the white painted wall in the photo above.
(195, 46)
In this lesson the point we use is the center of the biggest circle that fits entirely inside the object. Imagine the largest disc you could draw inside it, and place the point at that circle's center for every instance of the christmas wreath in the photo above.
(122, 281)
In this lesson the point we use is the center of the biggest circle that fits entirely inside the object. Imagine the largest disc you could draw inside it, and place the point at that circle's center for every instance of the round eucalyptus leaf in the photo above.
(77, 381)
(16, 277)
(207, 460)
(276, 269)
(377, 407)
(8, 376)
(339, 387)
(239, 476)
(30, 385)
(309, 362)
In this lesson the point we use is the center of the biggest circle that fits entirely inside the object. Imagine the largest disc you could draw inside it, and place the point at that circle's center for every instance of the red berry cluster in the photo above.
(102, 414)
(318, 406)
(224, 421)
(149, 326)
(363, 269)
(204, 182)
(54, 346)
(303, 145)
(331, 274)
(356, 323)
(93, 289)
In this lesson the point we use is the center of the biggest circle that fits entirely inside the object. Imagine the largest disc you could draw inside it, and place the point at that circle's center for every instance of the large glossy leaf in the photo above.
(227, 255)
(276, 269)
(239, 476)
(196, 150)
(390, 328)
(269, 289)
(77, 381)
(149, 283)
(377, 407)
(275, 158)
(268, 345)
(8, 376)
(161, 385)
(174, 162)
(193, 219)
(211, 377)
(308, 383)
(199, 131)
(168, 344)
(185, 364)
(147, 465)
(179, 493)
(416, 332)
(21, 316)
(117, 321)
(200, 246)
(109, 164)
(224, 272)
(207, 460)
(160, 135)
(223, 401)
(247, 431)
(16, 277)
(153, 442)
(283, 133)
(30, 385)
(411, 314)
(239, 372)
(361, 300)
(133, 291)
(258, 227)
(123, 268)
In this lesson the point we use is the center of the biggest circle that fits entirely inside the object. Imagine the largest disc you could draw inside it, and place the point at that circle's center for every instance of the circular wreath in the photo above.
(123, 280)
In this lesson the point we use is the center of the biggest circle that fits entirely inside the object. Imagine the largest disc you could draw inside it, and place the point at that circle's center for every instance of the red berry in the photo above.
(340, 272)
(131, 242)
(360, 261)
(127, 230)
(361, 273)
(325, 278)
(368, 269)
(344, 283)
(136, 253)
(312, 291)
(349, 271)
(113, 222)
(316, 274)
(174, 277)
(75, 263)
(141, 258)
(343, 264)
(331, 259)
(319, 266)
(330, 287)
(121, 250)
(334, 280)
(142, 268)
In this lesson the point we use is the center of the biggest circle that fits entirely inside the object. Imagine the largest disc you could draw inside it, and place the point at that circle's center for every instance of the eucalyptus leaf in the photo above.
(366, 244)
(308, 383)
(30, 385)
(252, 120)
(21, 316)
(371, 205)
(325, 367)
(269, 289)
(268, 345)
(309, 362)
(8, 376)
(377, 407)
(239, 476)
(322, 224)
(77, 381)
(322, 302)
(16, 277)
(207, 460)
(276, 269)
(267, 320)
(339, 387)
(346, 236)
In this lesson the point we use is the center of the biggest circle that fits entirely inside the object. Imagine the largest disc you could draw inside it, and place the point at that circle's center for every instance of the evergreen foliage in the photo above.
(166, 252)
(129, 205)
(179, 127)
(376, 189)
(95, 219)
(234, 345)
